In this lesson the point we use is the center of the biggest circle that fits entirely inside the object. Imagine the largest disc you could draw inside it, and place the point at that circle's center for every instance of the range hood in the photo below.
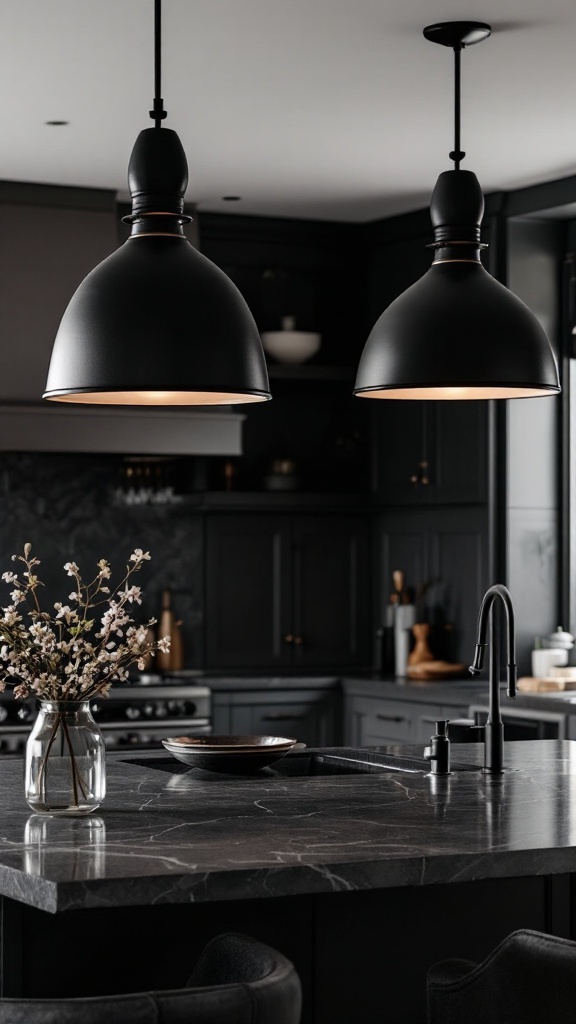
(90, 429)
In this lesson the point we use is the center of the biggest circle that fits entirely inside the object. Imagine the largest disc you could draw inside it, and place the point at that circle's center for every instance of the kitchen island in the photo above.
(364, 880)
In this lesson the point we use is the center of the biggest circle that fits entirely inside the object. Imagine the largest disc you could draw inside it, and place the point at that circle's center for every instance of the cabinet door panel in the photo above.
(430, 453)
(330, 577)
(400, 444)
(310, 722)
(458, 559)
(247, 591)
(461, 449)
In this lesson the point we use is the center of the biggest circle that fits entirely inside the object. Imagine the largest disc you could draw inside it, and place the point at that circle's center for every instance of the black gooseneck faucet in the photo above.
(494, 729)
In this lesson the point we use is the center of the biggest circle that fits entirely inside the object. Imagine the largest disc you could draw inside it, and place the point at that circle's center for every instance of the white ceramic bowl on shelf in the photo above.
(290, 346)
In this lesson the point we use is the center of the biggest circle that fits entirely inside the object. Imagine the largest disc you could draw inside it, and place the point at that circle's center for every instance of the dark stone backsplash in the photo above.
(63, 505)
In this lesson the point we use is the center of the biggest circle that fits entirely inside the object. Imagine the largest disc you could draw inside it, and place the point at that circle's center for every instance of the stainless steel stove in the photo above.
(133, 716)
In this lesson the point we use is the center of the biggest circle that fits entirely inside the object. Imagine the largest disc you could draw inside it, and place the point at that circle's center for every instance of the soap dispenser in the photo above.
(438, 752)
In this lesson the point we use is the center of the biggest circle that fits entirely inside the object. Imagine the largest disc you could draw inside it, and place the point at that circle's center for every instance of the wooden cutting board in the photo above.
(430, 670)
(531, 684)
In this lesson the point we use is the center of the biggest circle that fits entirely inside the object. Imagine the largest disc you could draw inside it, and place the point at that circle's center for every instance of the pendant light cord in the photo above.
(457, 155)
(158, 113)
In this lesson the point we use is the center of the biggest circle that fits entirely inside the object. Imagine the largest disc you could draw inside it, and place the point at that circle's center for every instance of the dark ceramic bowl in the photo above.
(232, 755)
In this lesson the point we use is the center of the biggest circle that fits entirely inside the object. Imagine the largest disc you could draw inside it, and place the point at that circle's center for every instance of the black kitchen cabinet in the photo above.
(311, 716)
(444, 545)
(373, 721)
(286, 591)
(430, 452)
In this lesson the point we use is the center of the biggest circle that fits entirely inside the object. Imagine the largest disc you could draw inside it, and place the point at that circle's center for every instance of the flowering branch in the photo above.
(71, 654)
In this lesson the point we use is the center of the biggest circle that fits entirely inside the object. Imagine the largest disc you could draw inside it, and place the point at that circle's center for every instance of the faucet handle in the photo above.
(479, 727)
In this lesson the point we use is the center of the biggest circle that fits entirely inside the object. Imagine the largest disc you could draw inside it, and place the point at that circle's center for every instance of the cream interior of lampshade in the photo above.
(157, 398)
(456, 393)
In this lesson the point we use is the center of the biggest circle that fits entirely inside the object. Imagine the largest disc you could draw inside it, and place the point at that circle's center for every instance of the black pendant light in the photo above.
(457, 333)
(157, 323)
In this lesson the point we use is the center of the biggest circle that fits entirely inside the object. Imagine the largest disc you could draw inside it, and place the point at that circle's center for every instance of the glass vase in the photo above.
(65, 767)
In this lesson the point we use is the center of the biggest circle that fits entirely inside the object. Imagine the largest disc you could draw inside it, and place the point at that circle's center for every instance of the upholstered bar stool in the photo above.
(530, 978)
(236, 981)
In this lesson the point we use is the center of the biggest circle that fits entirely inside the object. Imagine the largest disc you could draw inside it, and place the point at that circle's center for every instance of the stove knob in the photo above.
(161, 711)
(132, 712)
(24, 713)
(149, 710)
(189, 709)
(3, 713)
(95, 708)
(132, 739)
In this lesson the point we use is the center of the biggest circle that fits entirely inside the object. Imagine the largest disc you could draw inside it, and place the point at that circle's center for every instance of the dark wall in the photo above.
(64, 506)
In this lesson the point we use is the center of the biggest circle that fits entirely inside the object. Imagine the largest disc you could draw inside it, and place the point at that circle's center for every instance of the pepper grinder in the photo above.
(168, 626)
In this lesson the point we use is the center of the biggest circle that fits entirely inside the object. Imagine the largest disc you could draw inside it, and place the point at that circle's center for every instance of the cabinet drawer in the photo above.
(379, 721)
(308, 722)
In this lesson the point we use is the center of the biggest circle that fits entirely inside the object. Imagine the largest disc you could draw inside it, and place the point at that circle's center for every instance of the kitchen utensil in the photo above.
(403, 621)
(172, 659)
(421, 652)
(234, 755)
(398, 577)
(231, 742)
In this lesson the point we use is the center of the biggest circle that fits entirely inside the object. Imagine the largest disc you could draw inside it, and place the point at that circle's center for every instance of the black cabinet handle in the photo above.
(391, 718)
(283, 716)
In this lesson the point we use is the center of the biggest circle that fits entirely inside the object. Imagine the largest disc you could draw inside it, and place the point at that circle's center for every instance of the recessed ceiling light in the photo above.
(56, 123)
(231, 199)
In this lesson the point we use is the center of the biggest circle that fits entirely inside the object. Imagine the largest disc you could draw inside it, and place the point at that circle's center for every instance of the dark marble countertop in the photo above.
(178, 836)
(442, 691)
(219, 684)
(457, 691)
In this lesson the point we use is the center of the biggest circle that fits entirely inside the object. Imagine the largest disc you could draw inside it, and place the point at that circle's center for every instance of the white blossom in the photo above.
(138, 555)
(70, 654)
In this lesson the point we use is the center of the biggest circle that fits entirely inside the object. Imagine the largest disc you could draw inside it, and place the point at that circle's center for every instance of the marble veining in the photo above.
(192, 836)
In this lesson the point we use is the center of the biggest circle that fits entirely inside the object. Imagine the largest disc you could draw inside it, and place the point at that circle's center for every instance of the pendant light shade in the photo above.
(457, 333)
(156, 323)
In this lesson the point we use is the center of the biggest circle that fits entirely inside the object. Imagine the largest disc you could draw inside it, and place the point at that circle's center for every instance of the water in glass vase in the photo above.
(65, 768)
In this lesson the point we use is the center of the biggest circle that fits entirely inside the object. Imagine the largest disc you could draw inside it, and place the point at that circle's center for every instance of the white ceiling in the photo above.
(305, 108)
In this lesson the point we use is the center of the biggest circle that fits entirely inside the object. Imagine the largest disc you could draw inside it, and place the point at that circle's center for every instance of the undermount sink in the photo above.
(312, 763)
(353, 762)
